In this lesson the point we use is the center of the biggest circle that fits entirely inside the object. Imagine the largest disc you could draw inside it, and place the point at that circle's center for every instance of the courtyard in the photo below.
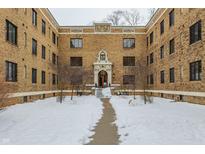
(103, 119)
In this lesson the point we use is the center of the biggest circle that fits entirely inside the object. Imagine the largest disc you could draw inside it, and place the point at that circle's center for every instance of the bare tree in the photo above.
(151, 12)
(142, 72)
(5, 90)
(76, 79)
(131, 17)
(115, 18)
(63, 78)
(87, 78)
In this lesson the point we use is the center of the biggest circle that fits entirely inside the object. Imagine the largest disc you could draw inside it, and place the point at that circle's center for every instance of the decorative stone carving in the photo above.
(102, 27)
(102, 64)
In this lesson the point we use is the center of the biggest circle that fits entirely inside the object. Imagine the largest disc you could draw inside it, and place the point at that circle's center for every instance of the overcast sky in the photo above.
(86, 16)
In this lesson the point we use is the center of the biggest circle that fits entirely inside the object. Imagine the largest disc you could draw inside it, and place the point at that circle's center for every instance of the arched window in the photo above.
(102, 56)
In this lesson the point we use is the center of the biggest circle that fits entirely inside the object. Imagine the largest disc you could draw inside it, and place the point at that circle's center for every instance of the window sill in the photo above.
(13, 44)
(195, 43)
(126, 48)
(11, 81)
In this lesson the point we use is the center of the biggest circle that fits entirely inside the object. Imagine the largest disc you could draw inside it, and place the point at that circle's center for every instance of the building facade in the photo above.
(33, 44)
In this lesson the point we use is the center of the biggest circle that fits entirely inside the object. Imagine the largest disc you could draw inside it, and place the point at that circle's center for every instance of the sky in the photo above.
(86, 16)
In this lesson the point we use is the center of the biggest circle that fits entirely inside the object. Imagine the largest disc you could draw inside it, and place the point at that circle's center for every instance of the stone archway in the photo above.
(102, 65)
(102, 79)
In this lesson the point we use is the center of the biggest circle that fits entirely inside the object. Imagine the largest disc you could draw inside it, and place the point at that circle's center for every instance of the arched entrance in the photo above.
(102, 79)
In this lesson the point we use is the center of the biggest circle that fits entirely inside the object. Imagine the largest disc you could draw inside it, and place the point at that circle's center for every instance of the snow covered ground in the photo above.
(48, 122)
(162, 122)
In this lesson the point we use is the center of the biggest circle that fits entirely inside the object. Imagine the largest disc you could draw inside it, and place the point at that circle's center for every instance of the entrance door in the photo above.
(102, 79)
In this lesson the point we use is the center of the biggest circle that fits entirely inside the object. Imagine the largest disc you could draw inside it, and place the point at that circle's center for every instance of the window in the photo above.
(57, 40)
(34, 47)
(195, 32)
(43, 56)
(171, 18)
(25, 39)
(11, 32)
(34, 75)
(161, 52)
(43, 27)
(53, 79)
(34, 17)
(11, 71)
(147, 79)
(76, 43)
(151, 58)
(43, 77)
(54, 58)
(171, 75)
(151, 37)
(162, 27)
(25, 71)
(54, 37)
(128, 79)
(171, 46)
(128, 43)
(76, 61)
(162, 76)
(128, 61)
(57, 60)
(147, 41)
(195, 71)
(49, 32)
(151, 79)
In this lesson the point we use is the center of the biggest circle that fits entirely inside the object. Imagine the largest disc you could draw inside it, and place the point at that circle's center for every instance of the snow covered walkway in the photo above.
(162, 122)
(49, 122)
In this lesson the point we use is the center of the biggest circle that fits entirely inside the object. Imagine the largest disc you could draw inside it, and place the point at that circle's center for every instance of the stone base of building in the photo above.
(30, 98)
(174, 97)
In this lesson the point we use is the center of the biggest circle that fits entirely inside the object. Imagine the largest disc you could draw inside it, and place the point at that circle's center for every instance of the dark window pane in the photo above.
(195, 71)
(34, 75)
(11, 32)
(171, 18)
(43, 27)
(195, 32)
(162, 27)
(43, 77)
(162, 76)
(34, 47)
(171, 46)
(54, 37)
(11, 71)
(151, 81)
(151, 38)
(54, 58)
(76, 61)
(161, 52)
(128, 61)
(43, 52)
(151, 58)
(171, 75)
(53, 79)
(128, 79)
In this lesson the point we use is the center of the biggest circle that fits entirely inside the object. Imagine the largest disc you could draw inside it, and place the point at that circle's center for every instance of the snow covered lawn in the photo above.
(49, 122)
(162, 122)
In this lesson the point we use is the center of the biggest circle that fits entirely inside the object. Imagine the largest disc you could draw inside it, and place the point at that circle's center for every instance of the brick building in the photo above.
(172, 43)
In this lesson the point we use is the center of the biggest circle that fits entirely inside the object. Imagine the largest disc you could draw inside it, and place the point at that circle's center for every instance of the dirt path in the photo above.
(106, 131)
